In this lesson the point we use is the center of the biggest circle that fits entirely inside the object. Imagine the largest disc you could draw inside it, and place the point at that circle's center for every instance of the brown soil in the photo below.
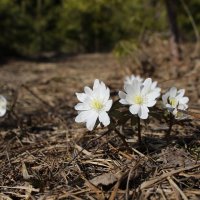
(41, 146)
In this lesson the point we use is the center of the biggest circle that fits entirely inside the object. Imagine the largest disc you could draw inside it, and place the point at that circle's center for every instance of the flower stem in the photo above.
(122, 137)
(171, 121)
(139, 131)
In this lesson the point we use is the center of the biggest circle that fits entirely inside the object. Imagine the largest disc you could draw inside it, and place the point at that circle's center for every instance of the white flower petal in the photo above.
(147, 82)
(134, 109)
(3, 105)
(130, 99)
(127, 80)
(173, 91)
(91, 120)
(96, 84)
(81, 96)
(122, 95)
(103, 86)
(168, 105)
(2, 112)
(82, 116)
(157, 90)
(108, 105)
(151, 103)
(183, 100)
(130, 79)
(101, 92)
(153, 85)
(180, 93)
(104, 118)
(123, 101)
(146, 86)
(182, 106)
(138, 78)
(106, 95)
(143, 112)
(165, 98)
(136, 86)
(174, 112)
(82, 106)
(153, 95)
(88, 91)
(129, 89)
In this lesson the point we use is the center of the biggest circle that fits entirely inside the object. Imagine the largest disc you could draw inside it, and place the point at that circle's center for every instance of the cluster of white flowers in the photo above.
(139, 95)
(174, 100)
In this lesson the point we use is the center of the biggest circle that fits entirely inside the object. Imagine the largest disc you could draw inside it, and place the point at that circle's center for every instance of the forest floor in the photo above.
(41, 155)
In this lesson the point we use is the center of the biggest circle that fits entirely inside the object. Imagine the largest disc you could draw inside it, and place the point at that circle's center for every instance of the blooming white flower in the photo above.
(152, 88)
(174, 100)
(3, 105)
(130, 79)
(139, 96)
(94, 105)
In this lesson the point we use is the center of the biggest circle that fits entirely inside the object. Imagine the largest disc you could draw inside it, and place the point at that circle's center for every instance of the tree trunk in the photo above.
(171, 7)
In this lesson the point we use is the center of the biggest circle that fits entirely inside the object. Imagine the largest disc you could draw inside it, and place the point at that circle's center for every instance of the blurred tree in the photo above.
(15, 28)
(171, 7)
(28, 27)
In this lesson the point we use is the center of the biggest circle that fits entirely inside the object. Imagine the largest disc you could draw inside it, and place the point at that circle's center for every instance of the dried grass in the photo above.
(45, 155)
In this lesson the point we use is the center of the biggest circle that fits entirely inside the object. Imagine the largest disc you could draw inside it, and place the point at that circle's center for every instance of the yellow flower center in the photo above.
(172, 101)
(138, 99)
(96, 104)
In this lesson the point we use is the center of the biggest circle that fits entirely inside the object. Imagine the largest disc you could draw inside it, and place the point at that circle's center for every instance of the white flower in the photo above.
(130, 79)
(153, 87)
(139, 96)
(3, 105)
(94, 105)
(174, 100)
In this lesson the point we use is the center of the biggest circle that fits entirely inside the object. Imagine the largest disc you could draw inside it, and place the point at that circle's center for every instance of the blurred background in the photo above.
(86, 26)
